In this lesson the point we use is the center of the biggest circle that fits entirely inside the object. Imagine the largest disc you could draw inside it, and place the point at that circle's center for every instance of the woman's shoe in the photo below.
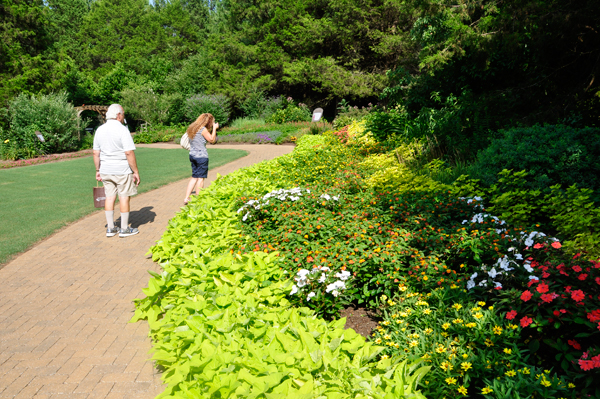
(185, 201)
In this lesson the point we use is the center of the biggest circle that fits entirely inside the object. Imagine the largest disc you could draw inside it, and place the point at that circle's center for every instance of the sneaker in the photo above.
(112, 232)
(129, 231)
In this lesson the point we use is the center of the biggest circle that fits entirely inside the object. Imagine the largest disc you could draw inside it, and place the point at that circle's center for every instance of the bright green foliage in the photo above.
(292, 113)
(577, 217)
(224, 328)
(51, 115)
(147, 105)
(159, 134)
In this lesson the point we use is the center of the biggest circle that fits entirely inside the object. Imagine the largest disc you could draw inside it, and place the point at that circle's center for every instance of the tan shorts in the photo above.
(122, 185)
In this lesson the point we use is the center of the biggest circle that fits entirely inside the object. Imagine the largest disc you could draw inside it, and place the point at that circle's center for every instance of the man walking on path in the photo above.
(116, 167)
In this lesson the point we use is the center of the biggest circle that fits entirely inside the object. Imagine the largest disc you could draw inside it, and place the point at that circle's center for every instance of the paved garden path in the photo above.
(65, 304)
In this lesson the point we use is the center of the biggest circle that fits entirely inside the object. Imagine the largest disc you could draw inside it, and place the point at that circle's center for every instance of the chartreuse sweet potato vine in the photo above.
(223, 328)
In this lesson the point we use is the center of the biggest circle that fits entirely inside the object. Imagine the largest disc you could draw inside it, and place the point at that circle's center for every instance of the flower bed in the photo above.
(495, 310)
(44, 159)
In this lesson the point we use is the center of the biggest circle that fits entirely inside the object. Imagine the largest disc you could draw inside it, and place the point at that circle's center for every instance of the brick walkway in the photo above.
(65, 304)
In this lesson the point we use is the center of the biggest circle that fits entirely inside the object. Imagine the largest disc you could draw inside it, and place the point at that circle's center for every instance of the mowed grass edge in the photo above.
(37, 200)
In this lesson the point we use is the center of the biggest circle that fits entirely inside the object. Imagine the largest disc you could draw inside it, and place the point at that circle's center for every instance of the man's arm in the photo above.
(97, 163)
(133, 165)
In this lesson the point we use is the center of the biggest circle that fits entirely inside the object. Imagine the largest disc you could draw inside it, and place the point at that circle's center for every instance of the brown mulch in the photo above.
(361, 320)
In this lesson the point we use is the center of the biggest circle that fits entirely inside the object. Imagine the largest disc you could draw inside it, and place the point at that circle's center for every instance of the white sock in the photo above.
(124, 220)
(110, 219)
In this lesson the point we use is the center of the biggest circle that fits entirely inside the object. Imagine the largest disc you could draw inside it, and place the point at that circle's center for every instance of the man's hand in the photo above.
(136, 178)
(98, 176)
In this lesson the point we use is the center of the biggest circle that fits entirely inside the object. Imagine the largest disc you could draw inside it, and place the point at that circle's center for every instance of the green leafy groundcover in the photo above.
(222, 325)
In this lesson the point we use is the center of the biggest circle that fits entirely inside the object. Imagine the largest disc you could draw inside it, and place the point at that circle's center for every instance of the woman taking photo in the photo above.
(198, 132)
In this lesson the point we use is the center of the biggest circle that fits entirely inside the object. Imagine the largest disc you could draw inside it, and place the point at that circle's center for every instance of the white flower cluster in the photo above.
(502, 266)
(321, 275)
(473, 199)
(293, 194)
(283, 195)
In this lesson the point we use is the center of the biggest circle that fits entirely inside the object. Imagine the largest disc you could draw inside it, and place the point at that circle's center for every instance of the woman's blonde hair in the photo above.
(204, 120)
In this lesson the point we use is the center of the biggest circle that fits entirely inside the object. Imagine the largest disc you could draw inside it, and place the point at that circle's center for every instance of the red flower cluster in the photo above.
(525, 321)
(587, 365)
(511, 315)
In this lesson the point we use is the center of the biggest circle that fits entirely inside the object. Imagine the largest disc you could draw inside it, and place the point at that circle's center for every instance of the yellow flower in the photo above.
(6, 141)
(394, 316)
(475, 309)
(507, 351)
(413, 343)
(440, 349)
(457, 321)
(465, 366)
(428, 331)
(487, 390)
(378, 341)
(526, 370)
(546, 371)
(465, 356)
(391, 303)
(545, 382)
(446, 366)
(571, 385)
(403, 314)
(386, 323)
(403, 288)
(445, 334)
(387, 337)
(478, 315)
(481, 303)
(457, 306)
(470, 325)
(427, 311)
(488, 342)
(446, 326)
(384, 357)
(462, 390)
(511, 373)
(491, 308)
(497, 330)
(450, 381)
(399, 321)
(425, 278)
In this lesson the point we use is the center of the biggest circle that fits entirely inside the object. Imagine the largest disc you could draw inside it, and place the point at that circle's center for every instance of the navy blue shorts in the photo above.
(199, 167)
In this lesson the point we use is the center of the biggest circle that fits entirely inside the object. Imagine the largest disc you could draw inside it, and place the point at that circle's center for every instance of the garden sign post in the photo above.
(317, 113)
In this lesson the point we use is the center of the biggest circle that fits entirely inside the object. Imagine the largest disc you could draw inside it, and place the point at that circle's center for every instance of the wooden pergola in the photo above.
(101, 109)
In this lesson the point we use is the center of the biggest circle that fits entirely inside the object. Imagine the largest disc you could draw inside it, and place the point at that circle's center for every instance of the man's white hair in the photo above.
(113, 111)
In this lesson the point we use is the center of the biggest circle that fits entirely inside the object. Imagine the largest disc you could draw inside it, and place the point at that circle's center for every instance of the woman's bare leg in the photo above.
(199, 185)
(190, 187)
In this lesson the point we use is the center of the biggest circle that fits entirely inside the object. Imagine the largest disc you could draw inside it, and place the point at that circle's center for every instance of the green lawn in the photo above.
(37, 200)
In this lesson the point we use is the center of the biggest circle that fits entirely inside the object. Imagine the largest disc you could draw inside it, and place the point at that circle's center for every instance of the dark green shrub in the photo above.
(257, 105)
(216, 104)
(51, 115)
(552, 154)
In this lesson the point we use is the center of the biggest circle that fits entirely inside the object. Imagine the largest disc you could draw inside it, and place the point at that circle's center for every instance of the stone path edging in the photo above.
(65, 304)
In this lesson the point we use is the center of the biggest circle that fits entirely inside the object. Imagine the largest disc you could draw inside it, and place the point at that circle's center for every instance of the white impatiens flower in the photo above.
(493, 273)
(322, 278)
(470, 284)
(294, 290)
(343, 275)
(325, 196)
(303, 273)
(335, 293)
(527, 266)
(337, 285)
(312, 294)
(498, 285)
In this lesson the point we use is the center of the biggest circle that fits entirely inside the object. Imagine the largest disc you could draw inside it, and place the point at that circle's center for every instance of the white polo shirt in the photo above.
(112, 140)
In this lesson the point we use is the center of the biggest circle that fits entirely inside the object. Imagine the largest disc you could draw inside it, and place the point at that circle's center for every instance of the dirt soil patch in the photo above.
(361, 320)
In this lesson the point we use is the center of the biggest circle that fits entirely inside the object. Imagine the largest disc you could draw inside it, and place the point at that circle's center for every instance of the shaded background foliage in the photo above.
(460, 69)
